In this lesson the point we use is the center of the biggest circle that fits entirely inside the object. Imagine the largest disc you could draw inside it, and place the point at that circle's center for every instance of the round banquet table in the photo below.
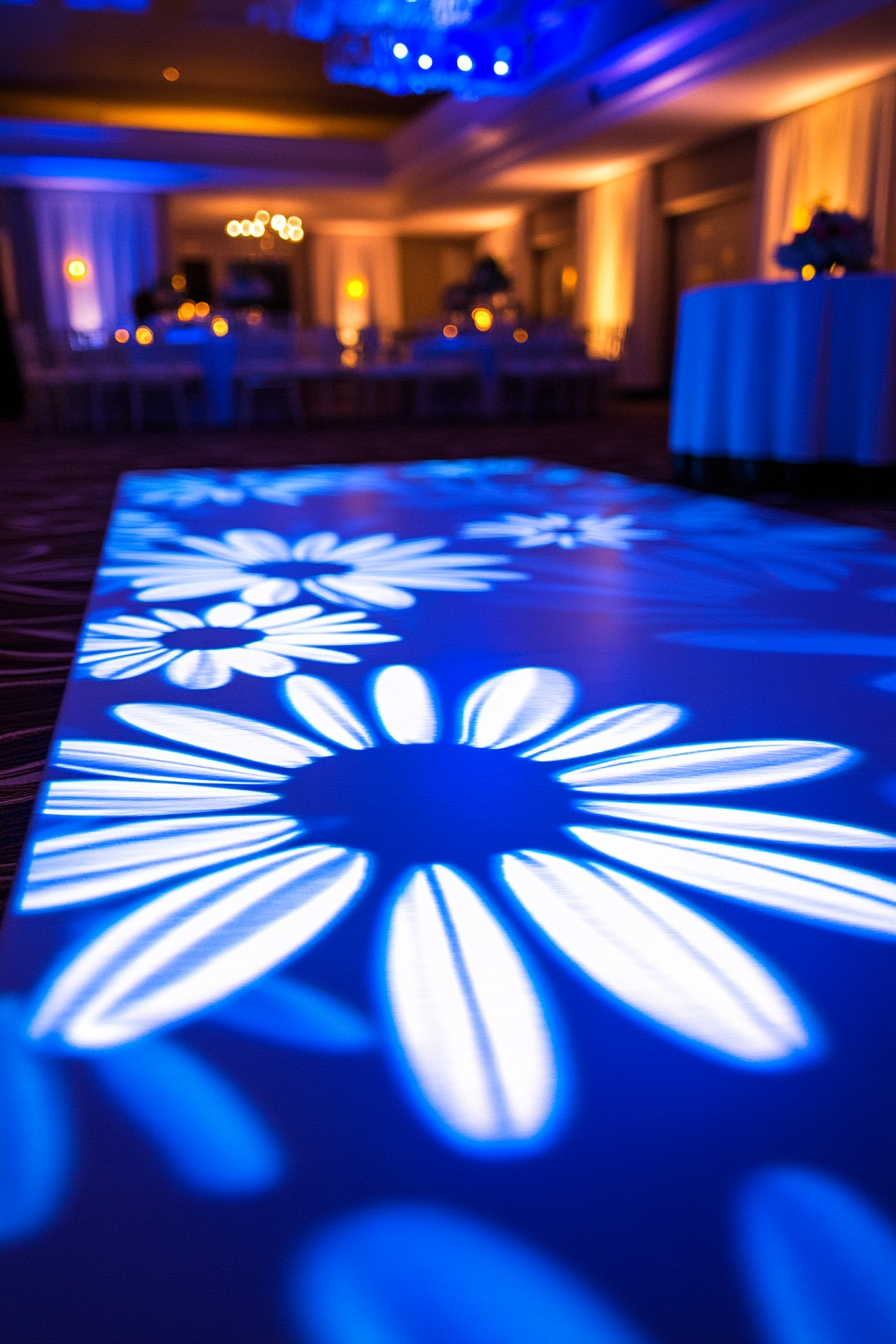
(787, 371)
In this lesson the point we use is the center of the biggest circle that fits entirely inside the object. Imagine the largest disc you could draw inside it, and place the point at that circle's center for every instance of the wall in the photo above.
(428, 267)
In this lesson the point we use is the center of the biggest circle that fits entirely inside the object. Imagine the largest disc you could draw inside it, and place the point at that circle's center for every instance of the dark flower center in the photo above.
(298, 569)
(429, 804)
(210, 638)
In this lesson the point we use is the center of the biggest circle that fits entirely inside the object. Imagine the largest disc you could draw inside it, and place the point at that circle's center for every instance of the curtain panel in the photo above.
(340, 259)
(115, 235)
(839, 153)
(621, 276)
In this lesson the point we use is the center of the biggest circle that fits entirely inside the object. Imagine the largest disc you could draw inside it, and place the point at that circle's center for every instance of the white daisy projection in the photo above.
(203, 652)
(268, 571)
(239, 891)
(525, 530)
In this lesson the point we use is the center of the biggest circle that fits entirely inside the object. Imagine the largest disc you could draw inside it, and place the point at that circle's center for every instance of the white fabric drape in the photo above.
(338, 259)
(839, 153)
(115, 234)
(620, 276)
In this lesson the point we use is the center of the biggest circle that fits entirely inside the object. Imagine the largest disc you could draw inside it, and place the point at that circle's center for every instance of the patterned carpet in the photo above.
(58, 492)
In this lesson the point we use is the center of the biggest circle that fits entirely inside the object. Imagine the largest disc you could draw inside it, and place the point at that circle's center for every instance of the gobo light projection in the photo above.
(473, 890)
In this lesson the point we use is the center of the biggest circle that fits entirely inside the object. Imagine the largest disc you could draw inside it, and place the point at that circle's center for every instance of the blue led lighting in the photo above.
(574, 912)
(474, 48)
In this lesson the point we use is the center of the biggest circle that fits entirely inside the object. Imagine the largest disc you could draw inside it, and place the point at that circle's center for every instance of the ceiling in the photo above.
(106, 67)
(83, 101)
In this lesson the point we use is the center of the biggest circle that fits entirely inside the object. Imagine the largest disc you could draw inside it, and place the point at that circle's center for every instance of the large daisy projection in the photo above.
(268, 571)
(203, 652)
(252, 840)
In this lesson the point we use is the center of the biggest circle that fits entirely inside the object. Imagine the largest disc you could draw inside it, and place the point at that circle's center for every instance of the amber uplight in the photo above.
(171, 73)
(808, 272)
(178, 282)
(482, 318)
(449, 330)
(143, 336)
(356, 288)
(187, 311)
(220, 326)
(202, 309)
(122, 335)
(520, 335)
(76, 269)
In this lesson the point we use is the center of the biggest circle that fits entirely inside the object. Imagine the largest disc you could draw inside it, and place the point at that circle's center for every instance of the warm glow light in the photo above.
(399, 51)
(233, 228)
(202, 309)
(255, 317)
(808, 272)
(76, 269)
(569, 278)
(171, 73)
(348, 335)
(256, 228)
(482, 318)
(424, 61)
(450, 330)
(356, 288)
(122, 335)
(246, 228)
(143, 336)
(178, 282)
(501, 68)
(278, 222)
(349, 358)
(464, 63)
(294, 222)
(262, 216)
(520, 336)
(220, 326)
(187, 311)
(802, 218)
(296, 233)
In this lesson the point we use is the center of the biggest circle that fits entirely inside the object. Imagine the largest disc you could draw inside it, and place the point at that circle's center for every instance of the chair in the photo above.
(154, 368)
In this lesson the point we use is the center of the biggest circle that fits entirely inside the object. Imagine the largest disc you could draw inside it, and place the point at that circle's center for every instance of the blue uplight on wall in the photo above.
(473, 48)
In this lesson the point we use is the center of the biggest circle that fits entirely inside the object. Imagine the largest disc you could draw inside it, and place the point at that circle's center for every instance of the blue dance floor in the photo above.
(459, 910)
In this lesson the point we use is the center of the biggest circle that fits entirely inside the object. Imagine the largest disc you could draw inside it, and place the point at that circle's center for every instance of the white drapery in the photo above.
(619, 295)
(114, 234)
(839, 153)
(339, 261)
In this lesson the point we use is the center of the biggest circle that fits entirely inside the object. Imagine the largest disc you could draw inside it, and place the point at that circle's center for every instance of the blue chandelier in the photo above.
(471, 48)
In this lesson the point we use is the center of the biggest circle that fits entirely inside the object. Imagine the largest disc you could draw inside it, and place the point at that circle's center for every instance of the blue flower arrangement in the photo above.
(833, 238)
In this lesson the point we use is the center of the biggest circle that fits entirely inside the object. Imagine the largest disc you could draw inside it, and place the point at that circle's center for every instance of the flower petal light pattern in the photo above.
(268, 571)
(203, 652)
(525, 530)
(464, 1012)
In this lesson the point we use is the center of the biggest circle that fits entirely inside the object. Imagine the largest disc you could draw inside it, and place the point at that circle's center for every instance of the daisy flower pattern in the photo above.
(268, 571)
(203, 652)
(559, 529)
(225, 830)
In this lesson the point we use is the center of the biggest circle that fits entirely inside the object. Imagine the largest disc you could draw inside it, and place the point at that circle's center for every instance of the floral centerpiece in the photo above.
(834, 238)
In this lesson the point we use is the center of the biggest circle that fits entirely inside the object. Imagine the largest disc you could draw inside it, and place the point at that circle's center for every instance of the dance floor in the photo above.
(459, 909)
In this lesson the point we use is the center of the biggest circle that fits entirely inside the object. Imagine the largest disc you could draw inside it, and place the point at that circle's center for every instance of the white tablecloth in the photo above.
(796, 371)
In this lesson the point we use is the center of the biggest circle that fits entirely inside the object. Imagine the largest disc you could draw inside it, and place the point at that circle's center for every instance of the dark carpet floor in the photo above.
(57, 493)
